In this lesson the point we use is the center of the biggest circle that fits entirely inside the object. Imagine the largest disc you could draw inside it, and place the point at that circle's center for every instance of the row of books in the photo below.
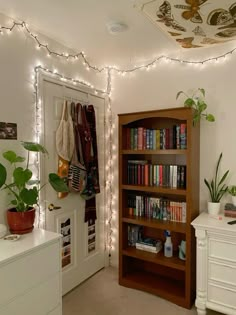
(157, 139)
(156, 208)
(136, 239)
(143, 173)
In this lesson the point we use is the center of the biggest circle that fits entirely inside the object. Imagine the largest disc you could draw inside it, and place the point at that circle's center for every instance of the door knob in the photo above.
(51, 207)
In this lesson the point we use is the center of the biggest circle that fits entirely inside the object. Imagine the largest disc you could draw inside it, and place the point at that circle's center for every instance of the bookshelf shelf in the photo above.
(154, 189)
(173, 160)
(155, 223)
(151, 152)
(159, 258)
(171, 290)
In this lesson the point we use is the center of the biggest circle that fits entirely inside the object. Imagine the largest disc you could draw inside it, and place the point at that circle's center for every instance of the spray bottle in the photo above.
(168, 248)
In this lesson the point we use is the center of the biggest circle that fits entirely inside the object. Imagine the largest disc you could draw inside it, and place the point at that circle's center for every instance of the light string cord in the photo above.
(110, 168)
(88, 65)
(40, 215)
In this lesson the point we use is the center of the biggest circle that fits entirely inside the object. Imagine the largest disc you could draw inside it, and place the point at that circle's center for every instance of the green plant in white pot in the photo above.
(232, 192)
(217, 188)
(24, 190)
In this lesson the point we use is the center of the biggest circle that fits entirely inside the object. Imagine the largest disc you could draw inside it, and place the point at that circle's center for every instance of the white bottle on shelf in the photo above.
(168, 248)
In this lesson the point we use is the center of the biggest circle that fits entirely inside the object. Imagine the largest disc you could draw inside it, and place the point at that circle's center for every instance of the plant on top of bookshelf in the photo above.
(217, 187)
(197, 102)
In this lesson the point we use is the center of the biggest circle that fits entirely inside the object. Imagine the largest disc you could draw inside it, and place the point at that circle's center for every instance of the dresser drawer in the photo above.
(225, 273)
(222, 249)
(40, 300)
(222, 296)
(28, 271)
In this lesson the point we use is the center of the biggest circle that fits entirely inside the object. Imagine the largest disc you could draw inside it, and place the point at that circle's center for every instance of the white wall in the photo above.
(157, 88)
(18, 57)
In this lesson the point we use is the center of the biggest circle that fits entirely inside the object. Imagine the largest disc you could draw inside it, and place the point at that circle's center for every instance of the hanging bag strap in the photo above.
(84, 132)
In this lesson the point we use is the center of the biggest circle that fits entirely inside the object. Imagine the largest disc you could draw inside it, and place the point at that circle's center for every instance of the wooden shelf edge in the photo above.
(168, 293)
(152, 189)
(173, 262)
(155, 223)
(169, 151)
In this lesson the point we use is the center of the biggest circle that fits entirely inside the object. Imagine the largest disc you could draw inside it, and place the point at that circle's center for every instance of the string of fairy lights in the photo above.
(108, 71)
(81, 55)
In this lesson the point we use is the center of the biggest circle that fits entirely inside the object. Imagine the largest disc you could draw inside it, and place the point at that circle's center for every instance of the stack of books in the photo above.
(230, 210)
(149, 245)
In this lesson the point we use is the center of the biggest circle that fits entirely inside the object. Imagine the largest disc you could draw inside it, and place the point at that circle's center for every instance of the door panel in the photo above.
(83, 246)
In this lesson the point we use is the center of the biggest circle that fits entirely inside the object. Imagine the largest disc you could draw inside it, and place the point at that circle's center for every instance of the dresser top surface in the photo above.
(26, 243)
(218, 223)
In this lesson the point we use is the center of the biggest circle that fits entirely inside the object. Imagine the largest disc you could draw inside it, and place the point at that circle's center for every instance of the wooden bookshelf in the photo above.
(170, 278)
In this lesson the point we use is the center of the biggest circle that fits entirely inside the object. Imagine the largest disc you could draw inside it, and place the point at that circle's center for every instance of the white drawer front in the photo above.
(40, 300)
(26, 272)
(225, 273)
(222, 249)
(222, 296)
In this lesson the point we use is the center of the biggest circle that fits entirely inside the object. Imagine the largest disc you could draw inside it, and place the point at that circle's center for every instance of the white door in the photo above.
(83, 245)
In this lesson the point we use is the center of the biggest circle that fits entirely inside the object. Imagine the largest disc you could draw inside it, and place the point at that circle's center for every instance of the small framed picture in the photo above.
(8, 131)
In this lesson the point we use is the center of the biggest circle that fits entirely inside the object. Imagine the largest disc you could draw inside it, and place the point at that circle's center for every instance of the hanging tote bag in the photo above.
(77, 176)
(64, 145)
(65, 141)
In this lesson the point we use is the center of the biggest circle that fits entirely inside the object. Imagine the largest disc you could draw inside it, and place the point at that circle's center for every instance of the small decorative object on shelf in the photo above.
(197, 102)
(182, 250)
(24, 190)
(217, 189)
(232, 192)
(230, 210)
(158, 191)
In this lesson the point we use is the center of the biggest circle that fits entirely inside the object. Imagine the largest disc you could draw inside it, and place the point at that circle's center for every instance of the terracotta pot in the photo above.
(20, 222)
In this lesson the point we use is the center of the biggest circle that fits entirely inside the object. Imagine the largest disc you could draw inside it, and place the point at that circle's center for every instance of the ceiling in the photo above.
(81, 25)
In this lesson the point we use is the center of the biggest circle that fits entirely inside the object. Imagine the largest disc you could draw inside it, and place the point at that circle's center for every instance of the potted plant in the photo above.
(217, 189)
(232, 192)
(197, 102)
(23, 189)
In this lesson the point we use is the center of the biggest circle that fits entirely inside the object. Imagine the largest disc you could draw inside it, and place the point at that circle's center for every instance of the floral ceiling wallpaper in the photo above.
(193, 23)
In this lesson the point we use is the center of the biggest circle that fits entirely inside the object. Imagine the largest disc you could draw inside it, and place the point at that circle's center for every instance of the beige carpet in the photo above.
(102, 295)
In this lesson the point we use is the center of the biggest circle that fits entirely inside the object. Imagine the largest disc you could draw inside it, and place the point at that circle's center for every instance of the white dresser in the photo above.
(216, 264)
(30, 275)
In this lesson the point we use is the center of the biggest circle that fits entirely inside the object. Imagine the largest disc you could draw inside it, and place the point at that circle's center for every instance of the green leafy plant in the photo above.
(232, 190)
(24, 190)
(197, 102)
(216, 187)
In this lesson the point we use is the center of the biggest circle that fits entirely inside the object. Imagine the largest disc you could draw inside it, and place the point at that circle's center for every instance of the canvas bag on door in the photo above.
(77, 177)
(64, 145)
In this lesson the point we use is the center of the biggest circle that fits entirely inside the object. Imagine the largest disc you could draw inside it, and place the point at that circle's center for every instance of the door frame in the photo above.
(41, 77)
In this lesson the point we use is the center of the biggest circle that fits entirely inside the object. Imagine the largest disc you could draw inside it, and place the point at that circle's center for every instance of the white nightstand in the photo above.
(216, 264)
(30, 275)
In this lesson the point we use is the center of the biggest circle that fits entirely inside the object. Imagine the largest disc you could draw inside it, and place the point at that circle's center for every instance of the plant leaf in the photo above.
(21, 176)
(33, 146)
(223, 178)
(202, 91)
(3, 175)
(189, 102)
(29, 196)
(210, 117)
(201, 105)
(57, 183)
(179, 93)
(14, 202)
(11, 157)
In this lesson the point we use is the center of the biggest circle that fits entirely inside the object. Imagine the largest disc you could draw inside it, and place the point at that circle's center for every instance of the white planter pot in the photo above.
(234, 200)
(213, 208)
